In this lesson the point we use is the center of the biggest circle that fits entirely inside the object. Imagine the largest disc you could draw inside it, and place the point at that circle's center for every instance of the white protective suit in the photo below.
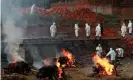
(112, 54)
(32, 9)
(87, 28)
(120, 52)
(99, 50)
(98, 31)
(53, 30)
(123, 30)
(76, 30)
(130, 27)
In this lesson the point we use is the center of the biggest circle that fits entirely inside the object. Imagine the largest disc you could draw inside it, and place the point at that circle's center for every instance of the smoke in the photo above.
(39, 61)
(13, 37)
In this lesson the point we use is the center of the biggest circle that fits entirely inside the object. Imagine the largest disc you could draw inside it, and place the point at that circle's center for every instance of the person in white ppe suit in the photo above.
(112, 54)
(53, 30)
(87, 28)
(130, 27)
(123, 30)
(120, 52)
(32, 9)
(98, 31)
(99, 50)
(76, 30)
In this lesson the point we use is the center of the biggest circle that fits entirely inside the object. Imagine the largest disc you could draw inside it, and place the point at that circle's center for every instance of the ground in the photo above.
(82, 73)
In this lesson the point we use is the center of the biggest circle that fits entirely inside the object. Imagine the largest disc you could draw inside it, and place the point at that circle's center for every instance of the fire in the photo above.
(103, 62)
(70, 57)
(59, 69)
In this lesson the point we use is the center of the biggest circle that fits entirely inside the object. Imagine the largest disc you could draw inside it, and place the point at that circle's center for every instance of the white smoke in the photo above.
(37, 60)
(13, 37)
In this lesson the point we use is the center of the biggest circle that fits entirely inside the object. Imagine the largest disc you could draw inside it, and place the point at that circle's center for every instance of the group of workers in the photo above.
(124, 28)
(98, 30)
(76, 27)
(118, 52)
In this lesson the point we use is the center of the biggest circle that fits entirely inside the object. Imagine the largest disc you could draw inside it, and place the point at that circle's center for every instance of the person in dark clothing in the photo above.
(102, 28)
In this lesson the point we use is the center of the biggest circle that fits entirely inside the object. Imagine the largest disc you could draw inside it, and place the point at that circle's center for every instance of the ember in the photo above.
(104, 63)
(71, 60)
(54, 71)
(49, 72)
(17, 67)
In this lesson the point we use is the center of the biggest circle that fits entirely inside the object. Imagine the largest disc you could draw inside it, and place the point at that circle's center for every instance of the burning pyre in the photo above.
(69, 56)
(18, 67)
(104, 68)
(52, 72)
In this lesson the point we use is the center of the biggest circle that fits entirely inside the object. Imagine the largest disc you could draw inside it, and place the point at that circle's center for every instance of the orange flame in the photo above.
(108, 68)
(59, 69)
(70, 57)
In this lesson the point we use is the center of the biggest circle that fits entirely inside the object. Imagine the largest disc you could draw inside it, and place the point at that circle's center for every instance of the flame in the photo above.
(59, 69)
(108, 68)
(70, 57)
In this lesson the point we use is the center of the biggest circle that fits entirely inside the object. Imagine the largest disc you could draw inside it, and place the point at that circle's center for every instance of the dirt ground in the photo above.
(81, 73)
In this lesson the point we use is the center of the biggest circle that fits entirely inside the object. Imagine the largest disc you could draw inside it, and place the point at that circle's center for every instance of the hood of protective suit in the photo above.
(54, 23)
(130, 21)
(87, 24)
(98, 24)
(99, 44)
(123, 24)
(111, 49)
(76, 24)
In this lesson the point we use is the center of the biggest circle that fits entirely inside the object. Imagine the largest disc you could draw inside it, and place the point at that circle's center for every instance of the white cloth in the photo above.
(87, 28)
(112, 54)
(98, 31)
(130, 27)
(99, 51)
(32, 9)
(123, 30)
(120, 52)
(76, 30)
(53, 30)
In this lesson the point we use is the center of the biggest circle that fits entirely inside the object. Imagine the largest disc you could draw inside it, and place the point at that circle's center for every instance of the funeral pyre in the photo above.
(19, 67)
(103, 67)
(53, 68)
(53, 71)
(70, 60)
(56, 70)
